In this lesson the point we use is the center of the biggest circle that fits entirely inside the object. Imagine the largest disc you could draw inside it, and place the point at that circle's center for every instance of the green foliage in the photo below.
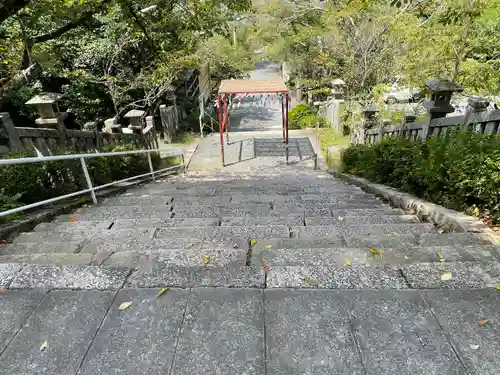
(305, 116)
(460, 171)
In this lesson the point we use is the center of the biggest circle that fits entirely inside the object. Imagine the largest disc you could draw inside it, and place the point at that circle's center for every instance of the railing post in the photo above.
(408, 119)
(89, 181)
(151, 166)
(15, 143)
(476, 104)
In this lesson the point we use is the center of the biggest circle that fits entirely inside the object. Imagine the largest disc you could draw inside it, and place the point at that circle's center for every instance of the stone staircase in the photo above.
(275, 228)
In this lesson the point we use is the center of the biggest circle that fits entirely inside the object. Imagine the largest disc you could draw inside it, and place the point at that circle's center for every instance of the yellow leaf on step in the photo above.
(161, 291)
(125, 305)
(348, 261)
(206, 260)
(310, 281)
(440, 256)
(269, 246)
(44, 346)
(446, 276)
(253, 242)
(474, 347)
(498, 287)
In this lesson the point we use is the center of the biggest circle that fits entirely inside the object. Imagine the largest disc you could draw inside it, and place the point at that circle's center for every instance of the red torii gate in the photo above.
(244, 87)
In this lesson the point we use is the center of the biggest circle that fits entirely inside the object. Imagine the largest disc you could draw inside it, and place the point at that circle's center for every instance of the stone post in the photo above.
(92, 126)
(15, 144)
(369, 120)
(137, 123)
(338, 87)
(438, 105)
(476, 104)
(408, 119)
(50, 115)
(111, 126)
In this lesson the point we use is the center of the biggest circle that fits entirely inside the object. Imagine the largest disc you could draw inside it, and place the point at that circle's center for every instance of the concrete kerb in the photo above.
(445, 218)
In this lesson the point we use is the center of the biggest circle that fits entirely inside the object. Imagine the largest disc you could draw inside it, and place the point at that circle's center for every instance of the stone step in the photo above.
(77, 226)
(160, 275)
(353, 220)
(141, 200)
(101, 213)
(159, 223)
(381, 241)
(355, 230)
(49, 258)
(345, 204)
(347, 277)
(457, 239)
(184, 258)
(365, 212)
(312, 198)
(290, 220)
(213, 234)
(108, 235)
(458, 275)
(41, 247)
(337, 257)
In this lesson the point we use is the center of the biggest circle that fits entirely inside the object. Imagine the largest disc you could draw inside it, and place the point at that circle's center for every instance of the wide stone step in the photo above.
(160, 275)
(311, 198)
(364, 212)
(360, 219)
(454, 238)
(225, 233)
(396, 256)
(347, 277)
(128, 199)
(361, 230)
(41, 247)
(77, 226)
(159, 223)
(101, 213)
(346, 204)
(184, 258)
(108, 235)
(49, 258)
(290, 220)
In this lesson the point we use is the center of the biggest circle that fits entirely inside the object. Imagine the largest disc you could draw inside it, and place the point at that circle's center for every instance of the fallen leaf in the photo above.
(4, 241)
(44, 346)
(74, 220)
(206, 260)
(253, 242)
(125, 305)
(373, 251)
(440, 256)
(348, 261)
(310, 281)
(483, 322)
(474, 347)
(269, 246)
(498, 287)
(341, 218)
(446, 276)
(266, 269)
(161, 291)
(3, 289)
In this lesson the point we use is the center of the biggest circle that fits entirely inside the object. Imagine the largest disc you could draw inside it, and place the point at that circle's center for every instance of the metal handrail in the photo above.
(91, 189)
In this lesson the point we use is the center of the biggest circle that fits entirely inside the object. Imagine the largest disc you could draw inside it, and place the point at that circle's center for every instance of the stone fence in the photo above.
(51, 135)
(476, 118)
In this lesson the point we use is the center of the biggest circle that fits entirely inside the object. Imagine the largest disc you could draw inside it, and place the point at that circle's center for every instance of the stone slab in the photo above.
(70, 277)
(117, 245)
(68, 321)
(353, 220)
(458, 313)
(218, 211)
(295, 243)
(354, 230)
(347, 277)
(138, 200)
(159, 223)
(120, 212)
(15, 308)
(337, 204)
(308, 332)
(77, 226)
(223, 333)
(382, 241)
(183, 258)
(159, 275)
(140, 339)
(41, 247)
(357, 212)
(7, 273)
(397, 334)
(340, 196)
(183, 200)
(262, 220)
(226, 233)
(460, 239)
(50, 258)
(108, 235)
(465, 275)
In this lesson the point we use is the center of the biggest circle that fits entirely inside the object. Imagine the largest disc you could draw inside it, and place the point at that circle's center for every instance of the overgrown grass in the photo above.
(184, 138)
(329, 137)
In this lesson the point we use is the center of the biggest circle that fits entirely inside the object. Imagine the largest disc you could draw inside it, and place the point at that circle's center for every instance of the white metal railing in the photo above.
(91, 189)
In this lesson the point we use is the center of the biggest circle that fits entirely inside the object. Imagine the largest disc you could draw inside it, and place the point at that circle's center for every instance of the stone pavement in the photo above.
(271, 269)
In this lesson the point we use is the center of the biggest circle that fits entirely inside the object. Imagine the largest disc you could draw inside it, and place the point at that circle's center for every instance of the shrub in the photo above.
(305, 116)
(460, 171)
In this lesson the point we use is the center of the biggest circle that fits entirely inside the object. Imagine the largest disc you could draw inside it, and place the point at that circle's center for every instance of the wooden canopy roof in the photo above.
(247, 86)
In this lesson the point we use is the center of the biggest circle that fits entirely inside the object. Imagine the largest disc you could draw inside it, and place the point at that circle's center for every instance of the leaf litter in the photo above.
(125, 305)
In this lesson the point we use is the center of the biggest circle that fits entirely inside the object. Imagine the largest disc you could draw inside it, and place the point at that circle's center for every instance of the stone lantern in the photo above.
(370, 117)
(135, 116)
(439, 103)
(338, 88)
(337, 104)
(50, 115)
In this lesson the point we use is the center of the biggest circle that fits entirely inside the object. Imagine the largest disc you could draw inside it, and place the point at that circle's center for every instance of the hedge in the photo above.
(305, 116)
(28, 183)
(460, 171)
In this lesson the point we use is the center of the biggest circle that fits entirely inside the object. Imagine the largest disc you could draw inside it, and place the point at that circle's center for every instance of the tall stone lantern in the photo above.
(338, 88)
(441, 91)
(135, 116)
(50, 115)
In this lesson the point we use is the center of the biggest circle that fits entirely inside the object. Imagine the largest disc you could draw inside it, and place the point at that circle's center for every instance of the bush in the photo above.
(460, 171)
(29, 183)
(305, 116)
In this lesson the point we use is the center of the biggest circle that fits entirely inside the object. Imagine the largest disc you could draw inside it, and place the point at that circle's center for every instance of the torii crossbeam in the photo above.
(229, 88)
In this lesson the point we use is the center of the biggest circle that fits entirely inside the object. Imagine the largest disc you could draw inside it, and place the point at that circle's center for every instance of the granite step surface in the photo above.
(41, 247)
(346, 230)
(360, 219)
(108, 235)
(225, 233)
(49, 258)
